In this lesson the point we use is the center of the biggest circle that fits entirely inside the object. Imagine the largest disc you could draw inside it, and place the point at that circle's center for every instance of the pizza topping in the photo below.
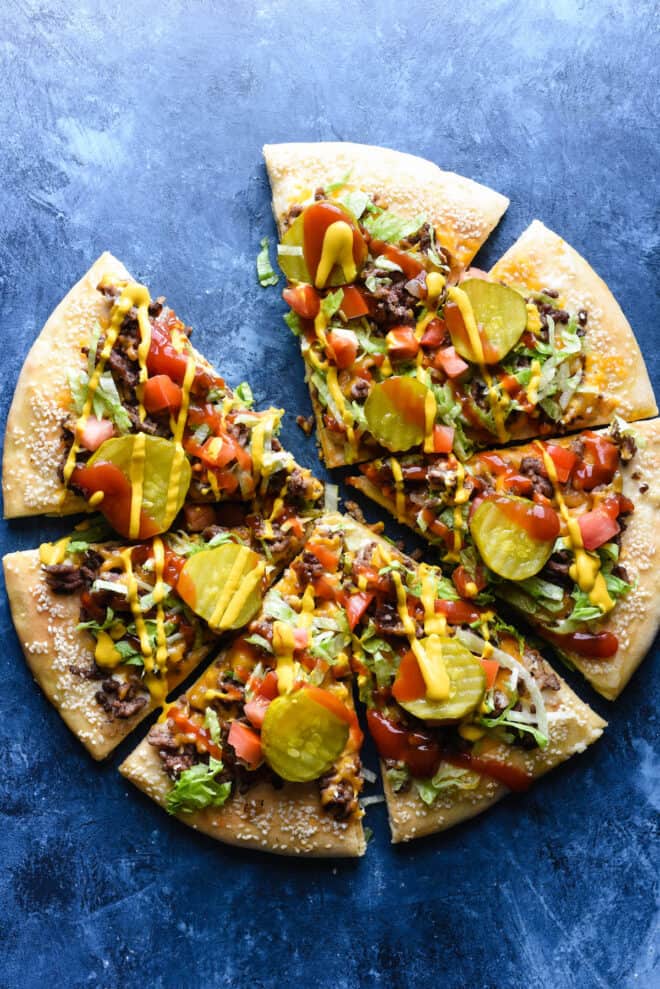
(395, 412)
(515, 537)
(302, 737)
(467, 683)
(223, 585)
(500, 315)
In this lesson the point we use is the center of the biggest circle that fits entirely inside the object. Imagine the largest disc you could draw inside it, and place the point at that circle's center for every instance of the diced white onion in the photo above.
(289, 250)
(369, 776)
(377, 798)
(331, 497)
(414, 287)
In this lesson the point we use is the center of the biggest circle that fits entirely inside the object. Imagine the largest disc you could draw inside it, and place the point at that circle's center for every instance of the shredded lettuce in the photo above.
(96, 531)
(265, 272)
(244, 393)
(106, 402)
(355, 202)
(379, 657)
(398, 777)
(447, 777)
(331, 303)
(292, 320)
(198, 787)
(93, 626)
(449, 412)
(276, 607)
(392, 228)
(212, 723)
(258, 640)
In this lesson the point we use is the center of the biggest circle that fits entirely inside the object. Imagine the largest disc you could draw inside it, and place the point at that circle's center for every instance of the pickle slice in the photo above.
(155, 467)
(467, 684)
(394, 412)
(293, 265)
(506, 547)
(501, 316)
(223, 585)
(301, 739)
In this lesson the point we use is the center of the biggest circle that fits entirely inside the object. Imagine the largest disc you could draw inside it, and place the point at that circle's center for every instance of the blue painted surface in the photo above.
(137, 127)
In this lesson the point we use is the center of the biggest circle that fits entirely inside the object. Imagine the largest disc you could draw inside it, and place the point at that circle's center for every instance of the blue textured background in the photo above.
(137, 126)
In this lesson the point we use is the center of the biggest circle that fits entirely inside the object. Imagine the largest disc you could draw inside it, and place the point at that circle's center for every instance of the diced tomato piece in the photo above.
(443, 439)
(301, 638)
(514, 778)
(173, 566)
(324, 554)
(328, 588)
(402, 344)
(95, 432)
(164, 358)
(198, 517)
(467, 585)
(188, 727)
(596, 528)
(605, 456)
(409, 684)
(246, 744)
(450, 362)
(161, 394)
(343, 346)
(458, 612)
(304, 300)
(216, 451)
(435, 333)
(268, 687)
(353, 304)
(255, 710)
(410, 264)
(564, 460)
(356, 606)
(491, 668)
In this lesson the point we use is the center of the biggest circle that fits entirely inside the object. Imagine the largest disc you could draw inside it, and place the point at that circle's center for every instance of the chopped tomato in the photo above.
(255, 710)
(173, 566)
(164, 358)
(301, 638)
(449, 361)
(218, 451)
(467, 585)
(246, 744)
(563, 459)
(225, 480)
(304, 300)
(198, 517)
(402, 344)
(443, 439)
(328, 588)
(268, 687)
(435, 333)
(324, 554)
(343, 347)
(605, 456)
(596, 528)
(187, 727)
(95, 432)
(409, 684)
(410, 264)
(458, 612)
(356, 606)
(353, 303)
(161, 394)
(491, 668)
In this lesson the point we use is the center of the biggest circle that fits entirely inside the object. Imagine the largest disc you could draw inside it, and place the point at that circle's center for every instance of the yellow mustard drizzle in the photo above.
(338, 396)
(51, 553)
(429, 656)
(96, 499)
(230, 587)
(460, 497)
(534, 382)
(533, 319)
(434, 623)
(240, 597)
(497, 402)
(397, 474)
(132, 295)
(337, 249)
(585, 571)
(157, 685)
(159, 595)
(284, 644)
(430, 410)
(136, 477)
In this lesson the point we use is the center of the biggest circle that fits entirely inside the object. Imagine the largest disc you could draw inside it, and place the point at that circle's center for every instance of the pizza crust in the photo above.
(33, 440)
(636, 617)
(290, 821)
(462, 212)
(46, 628)
(615, 367)
(573, 727)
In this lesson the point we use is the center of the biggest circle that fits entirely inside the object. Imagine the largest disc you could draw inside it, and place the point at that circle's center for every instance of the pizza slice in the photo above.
(115, 409)
(564, 530)
(463, 710)
(405, 349)
(110, 629)
(263, 751)
(393, 219)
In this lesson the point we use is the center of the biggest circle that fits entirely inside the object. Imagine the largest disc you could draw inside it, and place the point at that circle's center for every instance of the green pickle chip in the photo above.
(301, 738)
(501, 315)
(467, 684)
(505, 546)
(395, 412)
(223, 585)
